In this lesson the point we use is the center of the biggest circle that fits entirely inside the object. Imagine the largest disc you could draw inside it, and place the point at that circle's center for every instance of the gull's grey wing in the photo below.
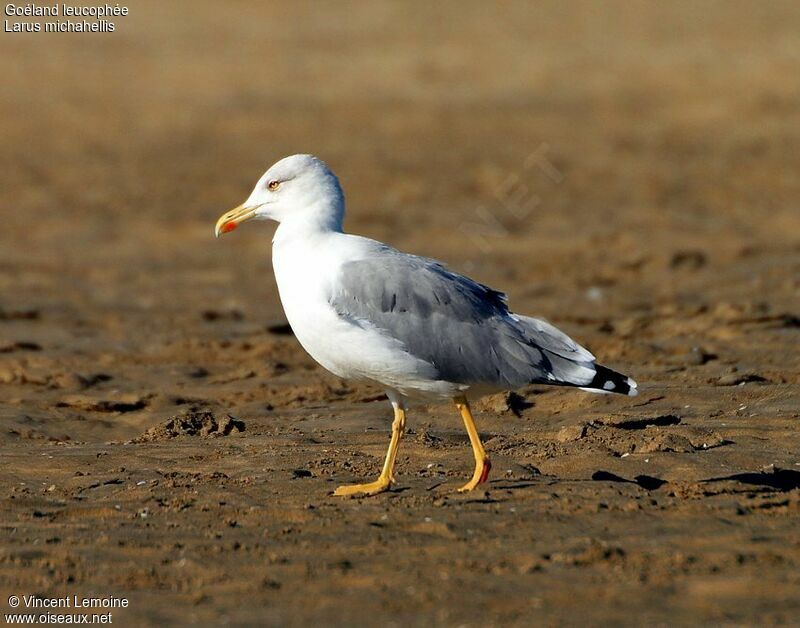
(461, 327)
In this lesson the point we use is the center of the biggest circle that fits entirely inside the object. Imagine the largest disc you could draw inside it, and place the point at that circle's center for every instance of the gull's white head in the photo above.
(300, 189)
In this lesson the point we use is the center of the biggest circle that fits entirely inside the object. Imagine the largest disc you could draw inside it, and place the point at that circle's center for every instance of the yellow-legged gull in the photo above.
(368, 312)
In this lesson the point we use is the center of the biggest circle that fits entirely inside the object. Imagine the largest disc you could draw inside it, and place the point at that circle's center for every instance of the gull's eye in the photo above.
(273, 185)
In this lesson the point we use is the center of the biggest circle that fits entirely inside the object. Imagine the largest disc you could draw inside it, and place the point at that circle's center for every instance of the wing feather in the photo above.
(462, 327)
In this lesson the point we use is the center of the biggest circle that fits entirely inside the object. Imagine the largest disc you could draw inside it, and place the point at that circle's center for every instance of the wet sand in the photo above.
(628, 173)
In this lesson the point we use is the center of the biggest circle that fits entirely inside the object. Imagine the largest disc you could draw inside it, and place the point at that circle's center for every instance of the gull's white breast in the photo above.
(306, 270)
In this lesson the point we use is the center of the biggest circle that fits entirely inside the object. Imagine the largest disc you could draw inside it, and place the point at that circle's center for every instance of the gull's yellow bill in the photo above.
(232, 219)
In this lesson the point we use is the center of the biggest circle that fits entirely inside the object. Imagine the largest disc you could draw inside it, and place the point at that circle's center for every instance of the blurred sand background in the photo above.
(628, 171)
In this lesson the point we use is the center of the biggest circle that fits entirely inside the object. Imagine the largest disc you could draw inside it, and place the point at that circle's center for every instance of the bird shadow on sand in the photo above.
(665, 420)
(782, 480)
(647, 482)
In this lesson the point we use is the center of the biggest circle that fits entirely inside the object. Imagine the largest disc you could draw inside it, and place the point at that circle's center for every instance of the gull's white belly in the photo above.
(306, 273)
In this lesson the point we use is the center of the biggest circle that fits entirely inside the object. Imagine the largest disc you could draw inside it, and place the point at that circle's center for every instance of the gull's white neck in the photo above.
(308, 223)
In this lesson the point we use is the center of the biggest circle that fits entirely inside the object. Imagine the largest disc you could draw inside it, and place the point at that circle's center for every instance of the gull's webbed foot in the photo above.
(383, 483)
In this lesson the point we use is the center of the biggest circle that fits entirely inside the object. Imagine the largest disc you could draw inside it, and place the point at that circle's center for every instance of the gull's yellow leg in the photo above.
(386, 478)
(482, 464)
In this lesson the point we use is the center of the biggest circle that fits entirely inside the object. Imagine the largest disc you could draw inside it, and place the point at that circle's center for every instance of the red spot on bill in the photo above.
(228, 227)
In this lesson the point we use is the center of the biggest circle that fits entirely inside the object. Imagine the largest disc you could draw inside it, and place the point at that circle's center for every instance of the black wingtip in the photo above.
(606, 380)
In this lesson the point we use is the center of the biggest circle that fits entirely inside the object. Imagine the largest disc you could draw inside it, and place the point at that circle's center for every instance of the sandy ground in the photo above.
(628, 172)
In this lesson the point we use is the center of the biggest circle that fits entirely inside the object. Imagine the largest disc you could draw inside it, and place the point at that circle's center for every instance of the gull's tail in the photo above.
(607, 381)
(568, 363)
